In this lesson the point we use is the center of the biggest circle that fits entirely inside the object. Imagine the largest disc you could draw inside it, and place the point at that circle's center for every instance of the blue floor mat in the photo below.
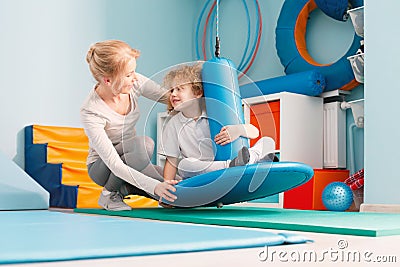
(43, 236)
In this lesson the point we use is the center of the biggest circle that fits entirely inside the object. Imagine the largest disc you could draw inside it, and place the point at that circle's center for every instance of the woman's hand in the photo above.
(164, 189)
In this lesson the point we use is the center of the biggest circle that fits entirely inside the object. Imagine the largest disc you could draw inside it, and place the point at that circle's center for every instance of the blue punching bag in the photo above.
(223, 103)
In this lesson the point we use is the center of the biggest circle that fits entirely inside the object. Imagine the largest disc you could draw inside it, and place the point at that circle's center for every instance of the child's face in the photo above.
(181, 94)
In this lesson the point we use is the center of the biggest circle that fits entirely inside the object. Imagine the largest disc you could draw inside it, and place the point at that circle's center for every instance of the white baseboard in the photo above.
(384, 208)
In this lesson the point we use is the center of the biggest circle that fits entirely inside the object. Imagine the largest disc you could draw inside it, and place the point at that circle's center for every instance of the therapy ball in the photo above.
(337, 196)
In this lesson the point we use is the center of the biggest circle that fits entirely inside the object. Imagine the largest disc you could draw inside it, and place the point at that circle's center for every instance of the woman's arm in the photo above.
(230, 133)
(170, 168)
(151, 90)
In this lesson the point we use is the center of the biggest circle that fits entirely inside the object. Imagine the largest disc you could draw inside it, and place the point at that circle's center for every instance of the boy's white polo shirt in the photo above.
(187, 138)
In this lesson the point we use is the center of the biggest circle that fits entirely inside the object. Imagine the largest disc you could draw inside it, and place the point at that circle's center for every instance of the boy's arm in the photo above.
(170, 168)
(250, 131)
(230, 133)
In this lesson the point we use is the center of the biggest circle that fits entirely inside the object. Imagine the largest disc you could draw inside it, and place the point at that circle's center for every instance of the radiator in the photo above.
(334, 136)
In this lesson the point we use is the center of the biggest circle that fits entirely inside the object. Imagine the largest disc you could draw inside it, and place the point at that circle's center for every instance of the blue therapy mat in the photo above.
(42, 236)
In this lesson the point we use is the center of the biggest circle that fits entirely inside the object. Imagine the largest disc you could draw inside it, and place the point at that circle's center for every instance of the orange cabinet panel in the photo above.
(265, 117)
(309, 195)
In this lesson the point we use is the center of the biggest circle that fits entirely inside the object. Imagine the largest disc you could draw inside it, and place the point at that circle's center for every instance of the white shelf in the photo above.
(335, 93)
(301, 129)
(301, 126)
(161, 120)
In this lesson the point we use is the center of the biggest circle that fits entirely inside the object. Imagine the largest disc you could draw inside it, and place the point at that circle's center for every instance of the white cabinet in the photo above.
(294, 121)
(162, 118)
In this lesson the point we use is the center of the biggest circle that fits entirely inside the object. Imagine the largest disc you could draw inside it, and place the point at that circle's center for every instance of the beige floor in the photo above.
(326, 250)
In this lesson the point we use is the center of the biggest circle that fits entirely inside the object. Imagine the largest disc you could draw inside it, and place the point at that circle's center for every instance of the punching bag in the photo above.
(223, 103)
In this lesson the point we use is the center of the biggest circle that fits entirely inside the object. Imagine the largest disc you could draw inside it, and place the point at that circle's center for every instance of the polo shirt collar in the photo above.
(182, 118)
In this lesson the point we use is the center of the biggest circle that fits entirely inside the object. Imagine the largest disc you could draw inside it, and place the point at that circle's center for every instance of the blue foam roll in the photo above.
(335, 9)
(223, 103)
(310, 83)
(338, 75)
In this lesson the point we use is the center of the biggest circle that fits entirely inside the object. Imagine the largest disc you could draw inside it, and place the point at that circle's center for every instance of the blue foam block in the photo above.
(47, 174)
(241, 183)
(18, 191)
(223, 103)
(310, 83)
(42, 236)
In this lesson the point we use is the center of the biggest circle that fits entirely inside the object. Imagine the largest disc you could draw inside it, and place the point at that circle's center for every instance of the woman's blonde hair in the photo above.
(110, 58)
(185, 74)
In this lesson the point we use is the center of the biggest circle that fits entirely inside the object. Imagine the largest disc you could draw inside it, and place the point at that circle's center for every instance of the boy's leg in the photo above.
(191, 167)
(242, 158)
(263, 150)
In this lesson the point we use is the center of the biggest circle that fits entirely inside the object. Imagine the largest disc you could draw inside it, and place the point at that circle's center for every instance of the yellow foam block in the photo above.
(75, 173)
(139, 201)
(58, 134)
(88, 196)
(69, 146)
(62, 152)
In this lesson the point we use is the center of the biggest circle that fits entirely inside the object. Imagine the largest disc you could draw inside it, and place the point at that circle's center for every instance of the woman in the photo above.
(119, 160)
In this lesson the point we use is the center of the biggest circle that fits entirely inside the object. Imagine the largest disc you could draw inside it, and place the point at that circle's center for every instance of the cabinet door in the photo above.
(266, 117)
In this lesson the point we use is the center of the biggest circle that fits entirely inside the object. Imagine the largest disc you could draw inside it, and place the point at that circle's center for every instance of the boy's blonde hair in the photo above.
(110, 58)
(185, 74)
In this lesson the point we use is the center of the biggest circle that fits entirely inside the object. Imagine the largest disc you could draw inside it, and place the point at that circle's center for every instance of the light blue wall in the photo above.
(382, 94)
(44, 42)
(233, 33)
(43, 71)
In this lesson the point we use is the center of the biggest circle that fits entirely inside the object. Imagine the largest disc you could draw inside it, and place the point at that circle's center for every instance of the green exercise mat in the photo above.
(347, 223)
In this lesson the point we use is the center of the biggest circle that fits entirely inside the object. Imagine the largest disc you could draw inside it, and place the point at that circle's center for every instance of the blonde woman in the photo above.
(119, 160)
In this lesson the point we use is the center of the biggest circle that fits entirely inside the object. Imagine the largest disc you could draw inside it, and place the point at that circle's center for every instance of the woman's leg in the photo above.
(101, 175)
(110, 198)
(138, 153)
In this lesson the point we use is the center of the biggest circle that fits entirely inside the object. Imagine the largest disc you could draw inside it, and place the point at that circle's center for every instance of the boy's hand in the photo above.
(229, 134)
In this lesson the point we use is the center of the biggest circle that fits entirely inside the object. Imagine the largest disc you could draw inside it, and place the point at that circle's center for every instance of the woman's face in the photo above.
(127, 79)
